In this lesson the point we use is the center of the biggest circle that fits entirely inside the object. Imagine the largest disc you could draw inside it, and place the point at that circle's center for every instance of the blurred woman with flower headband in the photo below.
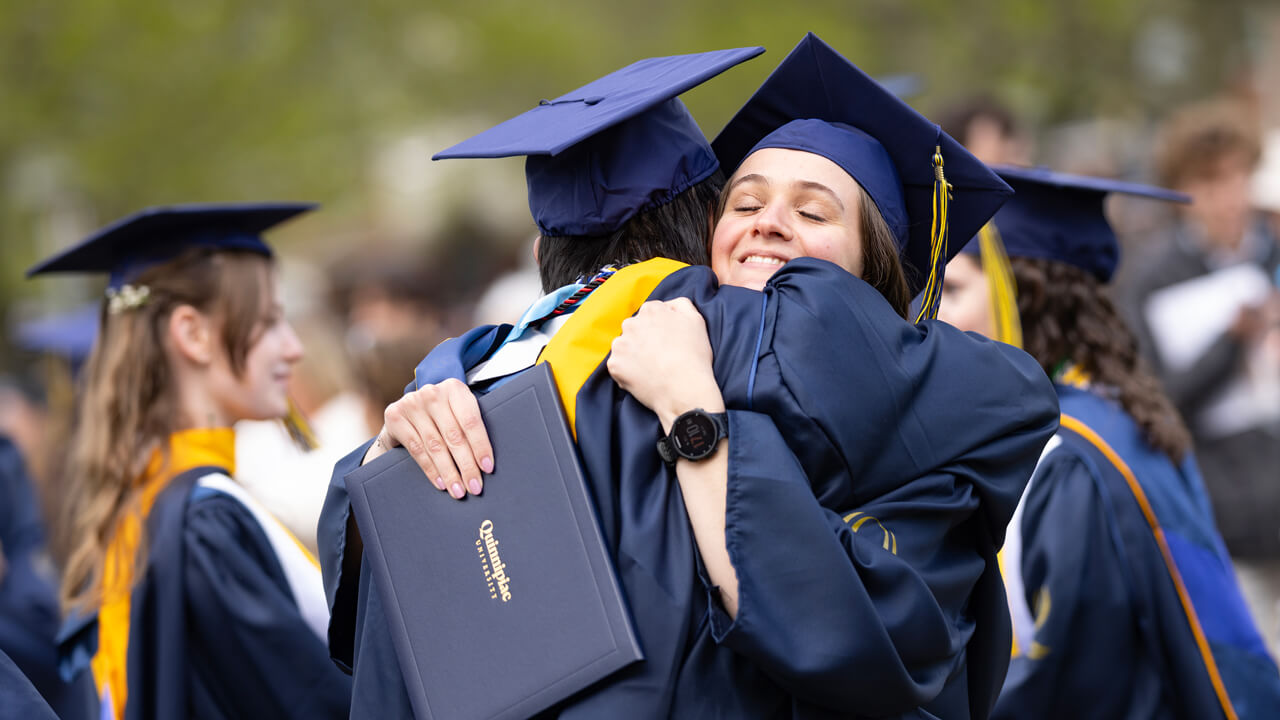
(186, 597)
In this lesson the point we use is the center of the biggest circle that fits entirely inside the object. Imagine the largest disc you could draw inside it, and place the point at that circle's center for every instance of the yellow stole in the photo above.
(587, 336)
(187, 449)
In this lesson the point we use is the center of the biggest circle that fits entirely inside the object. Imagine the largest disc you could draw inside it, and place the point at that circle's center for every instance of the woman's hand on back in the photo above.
(663, 358)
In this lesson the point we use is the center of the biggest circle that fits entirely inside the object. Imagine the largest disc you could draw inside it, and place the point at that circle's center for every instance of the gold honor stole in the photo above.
(587, 336)
(188, 449)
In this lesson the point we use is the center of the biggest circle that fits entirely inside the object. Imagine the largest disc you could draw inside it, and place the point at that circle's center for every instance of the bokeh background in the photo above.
(109, 107)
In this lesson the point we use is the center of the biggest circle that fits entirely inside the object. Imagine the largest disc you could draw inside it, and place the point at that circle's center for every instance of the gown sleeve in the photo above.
(868, 490)
(252, 655)
(338, 567)
(18, 696)
(1085, 659)
(862, 609)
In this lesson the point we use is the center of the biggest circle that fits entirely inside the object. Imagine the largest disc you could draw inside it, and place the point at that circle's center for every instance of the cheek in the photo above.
(973, 310)
(837, 248)
(721, 246)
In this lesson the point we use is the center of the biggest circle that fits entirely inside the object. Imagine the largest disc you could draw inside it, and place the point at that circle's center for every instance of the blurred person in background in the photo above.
(1204, 301)
(35, 417)
(388, 296)
(29, 615)
(1122, 595)
(506, 298)
(37, 411)
(1266, 182)
(186, 597)
(988, 129)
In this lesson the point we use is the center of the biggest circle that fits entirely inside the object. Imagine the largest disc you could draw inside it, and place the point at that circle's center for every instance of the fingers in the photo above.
(440, 426)
(402, 431)
(467, 411)
(462, 460)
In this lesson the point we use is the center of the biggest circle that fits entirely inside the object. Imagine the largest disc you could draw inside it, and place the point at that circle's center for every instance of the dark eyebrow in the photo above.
(747, 178)
(819, 187)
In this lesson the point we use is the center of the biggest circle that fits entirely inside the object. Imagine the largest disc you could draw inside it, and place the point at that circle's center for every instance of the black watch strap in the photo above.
(694, 436)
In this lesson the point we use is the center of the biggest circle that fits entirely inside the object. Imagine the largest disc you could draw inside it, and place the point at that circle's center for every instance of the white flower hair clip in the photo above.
(128, 297)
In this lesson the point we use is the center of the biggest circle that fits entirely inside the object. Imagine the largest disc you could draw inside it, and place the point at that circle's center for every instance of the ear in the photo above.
(192, 334)
(537, 242)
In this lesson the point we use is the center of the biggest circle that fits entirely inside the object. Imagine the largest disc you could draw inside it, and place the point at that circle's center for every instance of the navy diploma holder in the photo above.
(503, 604)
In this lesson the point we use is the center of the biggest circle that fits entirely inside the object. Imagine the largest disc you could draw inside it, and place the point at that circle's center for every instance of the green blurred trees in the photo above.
(109, 106)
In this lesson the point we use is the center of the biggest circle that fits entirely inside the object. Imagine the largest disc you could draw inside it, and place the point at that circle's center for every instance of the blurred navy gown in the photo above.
(1125, 602)
(873, 468)
(29, 614)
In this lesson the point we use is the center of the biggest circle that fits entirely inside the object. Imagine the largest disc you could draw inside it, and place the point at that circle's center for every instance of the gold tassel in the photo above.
(299, 429)
(1005, 321)
(932, 295)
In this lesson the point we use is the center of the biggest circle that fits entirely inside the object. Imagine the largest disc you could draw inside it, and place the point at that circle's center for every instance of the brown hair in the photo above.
(1067, 316)
(128, 405)
(676, 229)
(881, 265)
(1198, 137)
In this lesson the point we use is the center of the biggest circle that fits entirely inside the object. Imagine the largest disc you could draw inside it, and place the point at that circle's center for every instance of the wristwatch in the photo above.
(694, 436)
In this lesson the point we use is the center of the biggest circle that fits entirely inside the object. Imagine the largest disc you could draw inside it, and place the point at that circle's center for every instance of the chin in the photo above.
(272, 411)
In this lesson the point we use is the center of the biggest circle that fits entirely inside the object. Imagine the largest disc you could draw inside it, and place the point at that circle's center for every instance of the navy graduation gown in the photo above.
(250, 652)
(1133, 608)
(18, 697)
(214, 630)
(863, 535)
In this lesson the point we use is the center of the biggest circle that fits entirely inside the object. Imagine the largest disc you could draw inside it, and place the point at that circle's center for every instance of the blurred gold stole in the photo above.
(187, 449)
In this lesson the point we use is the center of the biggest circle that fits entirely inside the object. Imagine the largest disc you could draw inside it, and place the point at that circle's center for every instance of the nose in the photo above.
(773, 222)
(293, 348)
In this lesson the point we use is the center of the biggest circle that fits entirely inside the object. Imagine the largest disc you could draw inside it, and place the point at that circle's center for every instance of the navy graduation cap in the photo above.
(130, 245)
(922, 180)
(1060, 217)
(612, 148)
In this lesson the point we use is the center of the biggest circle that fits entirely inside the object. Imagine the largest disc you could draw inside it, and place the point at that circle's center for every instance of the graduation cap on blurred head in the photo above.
(155, 235)
(612, 148)
(1060, 217)
(67, 334)
(923, 182)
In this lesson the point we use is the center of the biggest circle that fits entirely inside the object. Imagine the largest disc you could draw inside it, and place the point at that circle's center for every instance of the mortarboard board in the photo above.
(1060, 217)
(614, 147)
(154, 235)
(817, 101)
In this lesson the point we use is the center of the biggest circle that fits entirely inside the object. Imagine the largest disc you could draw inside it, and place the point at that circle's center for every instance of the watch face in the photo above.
(695, 436)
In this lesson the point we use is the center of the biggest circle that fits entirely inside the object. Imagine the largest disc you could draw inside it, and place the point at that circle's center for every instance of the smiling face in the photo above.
(781, 205)
(259, 391)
